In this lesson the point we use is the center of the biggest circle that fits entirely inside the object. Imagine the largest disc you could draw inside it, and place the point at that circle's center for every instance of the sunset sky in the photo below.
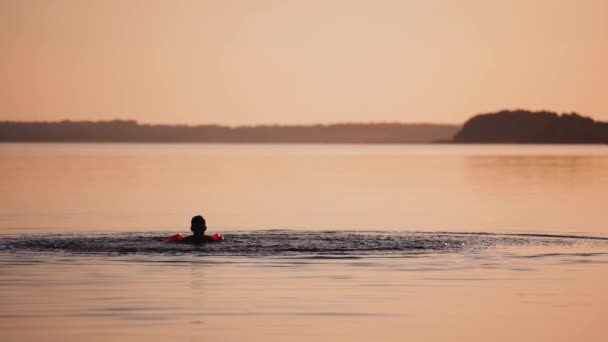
(310, 61)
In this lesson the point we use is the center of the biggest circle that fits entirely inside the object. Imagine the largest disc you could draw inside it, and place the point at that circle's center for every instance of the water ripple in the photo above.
(310, 244)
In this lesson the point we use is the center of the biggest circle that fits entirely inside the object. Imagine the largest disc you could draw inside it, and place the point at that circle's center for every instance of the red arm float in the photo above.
(175, 238)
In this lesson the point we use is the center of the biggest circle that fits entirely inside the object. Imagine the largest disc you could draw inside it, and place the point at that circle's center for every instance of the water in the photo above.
(324, 242)
(132, 187)
(300, 244)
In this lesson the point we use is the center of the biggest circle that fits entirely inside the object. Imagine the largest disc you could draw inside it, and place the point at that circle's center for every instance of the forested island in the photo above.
(131, 131)
(542, 127)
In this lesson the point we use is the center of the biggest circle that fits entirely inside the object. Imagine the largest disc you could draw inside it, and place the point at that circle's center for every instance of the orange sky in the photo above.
(281, 61)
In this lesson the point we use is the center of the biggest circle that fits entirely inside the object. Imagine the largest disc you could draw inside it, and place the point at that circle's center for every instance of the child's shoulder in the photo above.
(197, 239)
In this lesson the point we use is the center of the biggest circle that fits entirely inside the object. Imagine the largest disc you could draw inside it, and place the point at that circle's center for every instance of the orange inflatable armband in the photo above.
(217, 237)
(175, 238)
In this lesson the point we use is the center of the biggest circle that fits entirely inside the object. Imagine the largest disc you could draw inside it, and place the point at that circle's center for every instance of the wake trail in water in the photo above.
(311, 244)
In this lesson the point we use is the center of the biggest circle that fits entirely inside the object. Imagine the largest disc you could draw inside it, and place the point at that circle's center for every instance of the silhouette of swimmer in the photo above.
(198, 226)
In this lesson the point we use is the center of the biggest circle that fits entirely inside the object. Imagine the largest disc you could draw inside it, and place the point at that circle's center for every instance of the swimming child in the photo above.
(198, 226)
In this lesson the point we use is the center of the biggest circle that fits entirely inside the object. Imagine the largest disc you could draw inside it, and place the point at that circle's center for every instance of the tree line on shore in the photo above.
(522, 126)
(131, 131)
(519, 126)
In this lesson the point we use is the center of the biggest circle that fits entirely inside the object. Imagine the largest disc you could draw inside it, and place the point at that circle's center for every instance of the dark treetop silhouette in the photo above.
(523, 126)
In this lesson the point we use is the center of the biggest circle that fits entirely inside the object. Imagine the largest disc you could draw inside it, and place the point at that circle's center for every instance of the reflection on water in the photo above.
(541, 190)
(538, 175)
(93, 187)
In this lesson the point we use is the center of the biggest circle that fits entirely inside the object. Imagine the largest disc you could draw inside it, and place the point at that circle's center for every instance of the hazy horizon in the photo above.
(282, 124)
(244, 125)
(260, 62)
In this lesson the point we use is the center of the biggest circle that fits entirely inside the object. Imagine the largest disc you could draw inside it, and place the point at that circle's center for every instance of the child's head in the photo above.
(198, 225)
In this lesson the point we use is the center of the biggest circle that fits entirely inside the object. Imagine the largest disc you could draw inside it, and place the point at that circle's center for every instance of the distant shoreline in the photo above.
(504, 127)
(126, 131)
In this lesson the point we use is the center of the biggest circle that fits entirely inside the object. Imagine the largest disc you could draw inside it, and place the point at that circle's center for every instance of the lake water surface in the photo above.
(324, 242)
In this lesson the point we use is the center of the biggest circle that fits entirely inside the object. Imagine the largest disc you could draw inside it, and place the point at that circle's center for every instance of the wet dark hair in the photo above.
(198, 220)
(198, 226)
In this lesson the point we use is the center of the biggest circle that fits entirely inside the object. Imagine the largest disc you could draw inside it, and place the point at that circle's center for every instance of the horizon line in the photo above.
(337, 123)
(315, 124)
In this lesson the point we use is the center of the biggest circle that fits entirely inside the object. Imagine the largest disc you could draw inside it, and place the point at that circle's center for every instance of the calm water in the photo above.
(131, 187)
(324, 242)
